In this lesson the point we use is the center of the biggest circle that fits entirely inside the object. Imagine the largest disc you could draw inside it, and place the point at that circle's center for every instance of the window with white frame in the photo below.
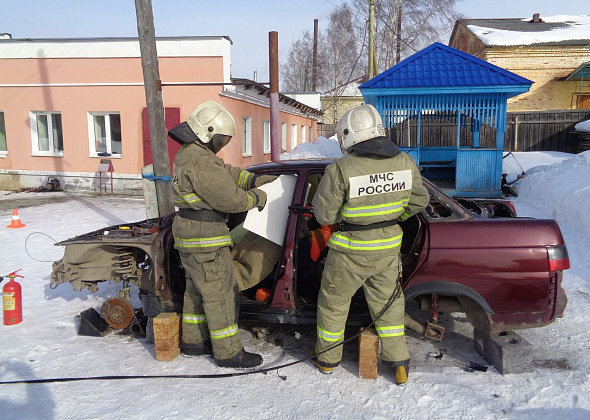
(303, 139)
(46, 133)
(266, 136)
(104, 132)
(246, 136)
(283, 137)
(2, 135)
(309, 139)
(293, 136)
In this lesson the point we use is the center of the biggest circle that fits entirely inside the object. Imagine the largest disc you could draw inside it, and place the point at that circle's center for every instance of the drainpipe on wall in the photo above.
(275, 147)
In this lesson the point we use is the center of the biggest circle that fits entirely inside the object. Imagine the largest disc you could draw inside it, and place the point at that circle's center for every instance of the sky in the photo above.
(45, 344)
(247, 23)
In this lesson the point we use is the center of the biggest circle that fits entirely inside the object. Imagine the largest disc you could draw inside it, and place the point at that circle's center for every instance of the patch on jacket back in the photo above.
(382, 183)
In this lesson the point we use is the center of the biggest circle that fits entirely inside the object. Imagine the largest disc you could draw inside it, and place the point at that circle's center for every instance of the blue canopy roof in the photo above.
(440, 66)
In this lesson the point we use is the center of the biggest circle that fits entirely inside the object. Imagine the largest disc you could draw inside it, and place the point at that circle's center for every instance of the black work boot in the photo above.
(199, 349)
(241, 360)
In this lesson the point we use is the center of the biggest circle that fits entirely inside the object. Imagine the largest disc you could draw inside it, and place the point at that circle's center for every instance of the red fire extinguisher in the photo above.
(12, 299)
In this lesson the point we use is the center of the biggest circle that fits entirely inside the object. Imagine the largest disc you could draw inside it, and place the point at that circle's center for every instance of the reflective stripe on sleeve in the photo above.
(243, 179)
(224, 332)
(194, 318)
(203, 242)
(390, 331)
(186, 198)
(372, 245)
(376, 210)
(329, 336)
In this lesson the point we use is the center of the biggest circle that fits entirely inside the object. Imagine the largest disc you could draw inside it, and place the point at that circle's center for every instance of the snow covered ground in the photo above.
(45, 344)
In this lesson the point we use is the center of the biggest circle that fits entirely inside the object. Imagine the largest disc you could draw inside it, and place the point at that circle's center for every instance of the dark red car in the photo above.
(471, 256)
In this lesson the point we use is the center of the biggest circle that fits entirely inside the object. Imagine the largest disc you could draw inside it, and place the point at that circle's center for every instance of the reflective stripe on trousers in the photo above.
(194, 318)
(390, 331)
(224, 240)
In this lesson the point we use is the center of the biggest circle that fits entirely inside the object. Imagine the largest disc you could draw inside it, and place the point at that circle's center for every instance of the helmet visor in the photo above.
(218, 142)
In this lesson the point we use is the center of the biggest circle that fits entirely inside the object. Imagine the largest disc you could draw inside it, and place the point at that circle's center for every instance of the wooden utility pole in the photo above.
(155, 105)
(372, 69)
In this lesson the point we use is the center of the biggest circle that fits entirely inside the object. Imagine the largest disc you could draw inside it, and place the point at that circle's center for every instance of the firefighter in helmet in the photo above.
(365, 193)
(206, 190)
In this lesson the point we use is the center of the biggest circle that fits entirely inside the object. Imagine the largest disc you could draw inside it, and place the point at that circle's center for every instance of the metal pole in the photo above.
(155, 104)
(275, 146)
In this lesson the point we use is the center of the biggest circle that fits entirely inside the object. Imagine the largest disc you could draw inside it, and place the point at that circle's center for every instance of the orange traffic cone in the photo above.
(16, 223)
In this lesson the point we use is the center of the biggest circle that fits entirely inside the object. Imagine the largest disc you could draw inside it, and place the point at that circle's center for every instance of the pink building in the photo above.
(66, 104)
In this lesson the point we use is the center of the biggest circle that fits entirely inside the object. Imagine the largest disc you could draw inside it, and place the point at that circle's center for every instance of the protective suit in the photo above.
(365, 193)
(205, 191)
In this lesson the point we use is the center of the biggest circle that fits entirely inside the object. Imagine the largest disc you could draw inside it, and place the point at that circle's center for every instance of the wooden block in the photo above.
(168, 344)
(368, 354)
(166, 331)
(167, 356)
(165, 318)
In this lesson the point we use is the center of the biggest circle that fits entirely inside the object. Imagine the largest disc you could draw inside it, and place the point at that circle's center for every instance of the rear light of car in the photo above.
(558, 258)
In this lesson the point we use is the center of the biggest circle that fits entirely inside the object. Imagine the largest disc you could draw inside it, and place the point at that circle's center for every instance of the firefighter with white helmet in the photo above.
(365, 193)
(206, 190)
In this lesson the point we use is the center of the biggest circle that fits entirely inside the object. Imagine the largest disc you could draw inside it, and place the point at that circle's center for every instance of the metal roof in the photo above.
(582, 72)
(440, 66)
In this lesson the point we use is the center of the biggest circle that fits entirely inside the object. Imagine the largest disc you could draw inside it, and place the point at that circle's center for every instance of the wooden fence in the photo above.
(544, 130)
(525, 132)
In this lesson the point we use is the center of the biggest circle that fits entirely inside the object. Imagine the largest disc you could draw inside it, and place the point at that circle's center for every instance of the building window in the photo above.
(283, 137)
(309, 139)
(303, 134)
(2, 135)
(246, 136)
(104, 132)
(266, 136)
(46, 133)
(293, 136)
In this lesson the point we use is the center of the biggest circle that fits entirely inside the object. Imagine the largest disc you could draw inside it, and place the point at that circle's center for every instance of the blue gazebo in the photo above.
(447, 109)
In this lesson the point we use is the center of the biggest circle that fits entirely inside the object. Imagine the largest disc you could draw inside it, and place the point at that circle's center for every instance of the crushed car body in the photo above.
(471, 256)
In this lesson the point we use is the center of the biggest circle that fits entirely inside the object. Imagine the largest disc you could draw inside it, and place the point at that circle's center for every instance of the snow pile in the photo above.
(578, 28)
(517, 163)
(562, 189)
(583, 126)
(320, 148)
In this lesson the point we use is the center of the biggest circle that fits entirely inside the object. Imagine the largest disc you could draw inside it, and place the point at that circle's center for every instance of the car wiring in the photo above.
(396, 293)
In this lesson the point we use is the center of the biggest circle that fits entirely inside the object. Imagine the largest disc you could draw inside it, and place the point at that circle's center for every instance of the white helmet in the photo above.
(357, 125)
(210, 121)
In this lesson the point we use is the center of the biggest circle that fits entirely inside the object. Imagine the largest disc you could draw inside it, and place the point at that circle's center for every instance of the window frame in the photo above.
(108, 131)
(246, 136)
(303, 133)
(283, 137)
(293, 136)
(33, 115)
(3, 151)
(266, 130)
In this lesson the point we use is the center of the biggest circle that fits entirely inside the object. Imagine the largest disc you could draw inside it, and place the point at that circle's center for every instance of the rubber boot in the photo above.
(241, 360)
(401, 370)
(199, 349)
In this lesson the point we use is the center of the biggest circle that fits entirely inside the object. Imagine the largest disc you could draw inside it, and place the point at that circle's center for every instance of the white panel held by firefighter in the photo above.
(271, 221)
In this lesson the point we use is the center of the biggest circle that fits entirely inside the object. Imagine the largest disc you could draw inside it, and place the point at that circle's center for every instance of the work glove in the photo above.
(260, 180)
(261, 198)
